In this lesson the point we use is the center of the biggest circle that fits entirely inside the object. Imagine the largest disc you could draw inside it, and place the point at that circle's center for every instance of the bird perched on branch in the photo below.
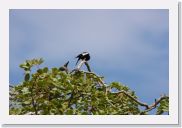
(83, 56)
(64, 67)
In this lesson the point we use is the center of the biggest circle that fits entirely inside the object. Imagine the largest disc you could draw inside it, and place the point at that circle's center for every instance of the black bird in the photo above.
(64, 67)
(83, 56)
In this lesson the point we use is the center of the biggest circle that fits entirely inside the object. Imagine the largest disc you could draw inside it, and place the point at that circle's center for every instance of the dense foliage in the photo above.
(58, 92)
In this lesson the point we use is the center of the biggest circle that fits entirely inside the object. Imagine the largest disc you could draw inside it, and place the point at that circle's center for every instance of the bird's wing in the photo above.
(79, 56)
(77, 61)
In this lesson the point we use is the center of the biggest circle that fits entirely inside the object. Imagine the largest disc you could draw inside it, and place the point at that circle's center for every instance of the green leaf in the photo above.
(41, 83)
(27, 77)
(45, 70)
(116, 85)
(23, 66)
(69, 112)
(40, 71)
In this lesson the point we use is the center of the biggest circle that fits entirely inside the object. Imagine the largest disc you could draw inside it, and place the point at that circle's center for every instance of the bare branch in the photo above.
(131, 97)
(157, 101)
(148, 107)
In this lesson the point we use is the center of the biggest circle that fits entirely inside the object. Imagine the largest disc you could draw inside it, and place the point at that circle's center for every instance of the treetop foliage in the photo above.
(56, 91)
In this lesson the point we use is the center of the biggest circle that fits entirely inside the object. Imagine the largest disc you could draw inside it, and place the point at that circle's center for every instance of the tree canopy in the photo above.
(58, 91)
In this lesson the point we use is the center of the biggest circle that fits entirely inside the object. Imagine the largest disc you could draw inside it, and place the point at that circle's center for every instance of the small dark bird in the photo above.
(64, 67)
(83, 56)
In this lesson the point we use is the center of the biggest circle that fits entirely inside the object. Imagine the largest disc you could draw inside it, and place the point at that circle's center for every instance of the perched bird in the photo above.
(64, 67)
(83, 56)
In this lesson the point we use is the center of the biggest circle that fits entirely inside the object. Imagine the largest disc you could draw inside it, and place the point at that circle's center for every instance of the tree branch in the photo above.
(147, 107)
(157, 101)
(131, 97)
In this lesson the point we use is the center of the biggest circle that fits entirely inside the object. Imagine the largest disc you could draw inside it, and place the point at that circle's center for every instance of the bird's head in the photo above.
(84, 53)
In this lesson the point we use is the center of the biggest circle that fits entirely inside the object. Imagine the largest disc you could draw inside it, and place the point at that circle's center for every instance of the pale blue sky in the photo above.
(129, 46)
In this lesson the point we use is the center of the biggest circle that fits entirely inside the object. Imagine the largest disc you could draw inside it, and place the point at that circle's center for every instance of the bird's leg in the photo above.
(87, 65)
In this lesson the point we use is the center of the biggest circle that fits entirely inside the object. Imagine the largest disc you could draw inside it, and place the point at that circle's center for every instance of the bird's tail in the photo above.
(66, 64)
